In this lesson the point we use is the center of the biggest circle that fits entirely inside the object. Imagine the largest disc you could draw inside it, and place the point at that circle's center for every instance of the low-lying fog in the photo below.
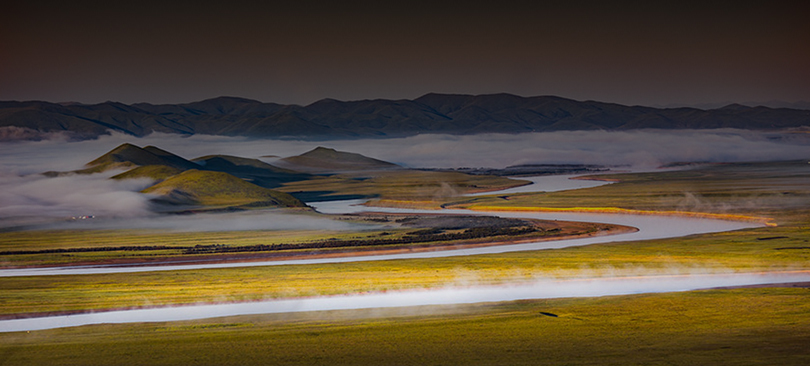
(405, 300)
(644, 148)
(29, 197)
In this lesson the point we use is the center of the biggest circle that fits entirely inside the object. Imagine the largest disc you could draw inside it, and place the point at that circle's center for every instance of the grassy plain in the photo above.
(778, 190)
(413, 185)
(370, 233)
(734, 327)
(721, 252)
(712, 327)
(720, 188)
(73, 239)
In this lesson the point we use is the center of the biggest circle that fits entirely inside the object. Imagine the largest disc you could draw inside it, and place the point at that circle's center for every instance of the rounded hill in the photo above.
(218, 189)
(322, 159)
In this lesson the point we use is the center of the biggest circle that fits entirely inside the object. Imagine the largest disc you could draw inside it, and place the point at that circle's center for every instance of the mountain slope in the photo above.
(326, 160)
(154, 172)
(129, 155)
(217, 189)
(253, 170)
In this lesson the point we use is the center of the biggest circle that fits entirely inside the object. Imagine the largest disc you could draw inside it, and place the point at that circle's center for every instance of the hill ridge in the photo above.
(128, 155)
(430, 113)
(324, 160)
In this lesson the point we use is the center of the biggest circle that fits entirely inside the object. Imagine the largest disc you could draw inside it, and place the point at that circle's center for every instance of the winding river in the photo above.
(650, 227)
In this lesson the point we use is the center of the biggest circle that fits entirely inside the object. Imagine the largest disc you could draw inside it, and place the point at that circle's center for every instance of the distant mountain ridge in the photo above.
(431, 113)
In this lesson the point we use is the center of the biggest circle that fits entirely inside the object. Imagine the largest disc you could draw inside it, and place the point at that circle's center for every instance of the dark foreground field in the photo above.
(762, 326)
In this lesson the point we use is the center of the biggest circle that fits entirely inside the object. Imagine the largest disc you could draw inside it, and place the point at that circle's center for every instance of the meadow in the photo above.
(768, 326)
(721, 252)
(732, 326)
(777, 190)
(371, 233)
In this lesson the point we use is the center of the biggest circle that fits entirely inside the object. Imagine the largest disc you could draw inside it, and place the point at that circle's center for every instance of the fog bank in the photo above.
(646, 148)
(36, 199)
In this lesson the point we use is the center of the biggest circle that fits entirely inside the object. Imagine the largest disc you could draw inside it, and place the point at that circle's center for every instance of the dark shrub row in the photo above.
(95, 249)
(420, 236)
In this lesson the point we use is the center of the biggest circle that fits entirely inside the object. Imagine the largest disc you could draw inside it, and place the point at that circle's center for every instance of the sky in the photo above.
(628, 52)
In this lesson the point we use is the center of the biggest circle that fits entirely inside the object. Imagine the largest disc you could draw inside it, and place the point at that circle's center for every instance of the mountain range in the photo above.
(329, 118)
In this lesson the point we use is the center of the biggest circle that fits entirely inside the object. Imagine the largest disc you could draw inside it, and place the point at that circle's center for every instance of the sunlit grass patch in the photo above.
(740, 327)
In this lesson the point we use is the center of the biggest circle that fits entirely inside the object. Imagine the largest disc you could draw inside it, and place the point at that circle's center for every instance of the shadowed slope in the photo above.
(253, 170)
(323, 160)
(219, 189)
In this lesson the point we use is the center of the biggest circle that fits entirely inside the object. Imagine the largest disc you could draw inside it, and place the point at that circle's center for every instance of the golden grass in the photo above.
(715, 327)
(616, 210)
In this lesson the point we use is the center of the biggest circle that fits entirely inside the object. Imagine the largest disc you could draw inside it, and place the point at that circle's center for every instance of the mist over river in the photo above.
(540, 289)
(650, 227)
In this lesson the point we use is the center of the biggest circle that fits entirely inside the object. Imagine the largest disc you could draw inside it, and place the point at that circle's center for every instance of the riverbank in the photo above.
(408, 233)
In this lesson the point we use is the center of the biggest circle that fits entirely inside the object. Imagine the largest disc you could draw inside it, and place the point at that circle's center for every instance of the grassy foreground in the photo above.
(728, 327)
(785, 248)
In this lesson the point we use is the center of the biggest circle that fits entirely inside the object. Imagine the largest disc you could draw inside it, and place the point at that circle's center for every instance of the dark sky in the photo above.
(629, 52)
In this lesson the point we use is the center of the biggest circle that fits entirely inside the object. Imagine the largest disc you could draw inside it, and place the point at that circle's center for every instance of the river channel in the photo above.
(650, 227)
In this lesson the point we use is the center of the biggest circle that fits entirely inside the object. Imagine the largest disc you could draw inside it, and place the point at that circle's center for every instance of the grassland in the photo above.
(412, 185)
(717, 327)
(50, 240)
(778, 190)
(733, 327)
(383, 232)
(784, 247)
(735, 251)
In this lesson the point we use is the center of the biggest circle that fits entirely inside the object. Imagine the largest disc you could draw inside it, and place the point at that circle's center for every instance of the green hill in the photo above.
(253, 170)
(129, 155)
(234, 163)
(217, 189)
(325, 160)
(154, 172)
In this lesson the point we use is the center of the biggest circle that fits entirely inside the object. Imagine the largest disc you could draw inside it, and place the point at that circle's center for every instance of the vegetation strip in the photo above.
(616, 210)
(762, 326)
(93, 249)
